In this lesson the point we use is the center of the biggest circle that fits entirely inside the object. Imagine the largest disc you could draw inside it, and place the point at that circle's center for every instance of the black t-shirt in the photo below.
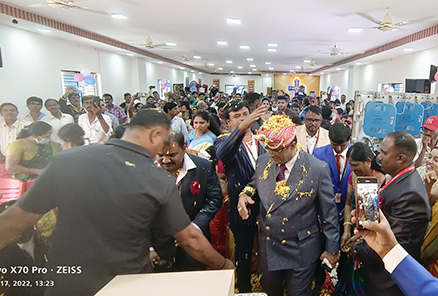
(108, 197)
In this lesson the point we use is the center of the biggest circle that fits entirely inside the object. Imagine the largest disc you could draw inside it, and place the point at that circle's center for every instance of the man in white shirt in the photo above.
(176, 122)
(56, 119)
(311, 135)
(34, 104)
(97, 126)
(10, 126)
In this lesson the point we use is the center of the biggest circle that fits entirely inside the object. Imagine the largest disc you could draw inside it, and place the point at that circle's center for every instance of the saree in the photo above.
(199, 143)
(429, 250)
(39, 161)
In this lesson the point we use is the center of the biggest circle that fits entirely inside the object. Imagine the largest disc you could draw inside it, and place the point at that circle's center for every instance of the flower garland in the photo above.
(266, 171)
(281, 189)
(248, 189)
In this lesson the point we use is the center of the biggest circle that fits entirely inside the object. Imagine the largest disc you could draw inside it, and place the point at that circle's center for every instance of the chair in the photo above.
(3, 172)
(11, 189)
(29, 183)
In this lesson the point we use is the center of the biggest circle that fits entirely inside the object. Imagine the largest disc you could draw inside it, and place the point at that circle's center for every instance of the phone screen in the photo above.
(312, 94)
(367, 200)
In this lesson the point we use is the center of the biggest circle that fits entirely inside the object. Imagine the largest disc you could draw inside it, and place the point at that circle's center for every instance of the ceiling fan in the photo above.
(386, 23)
(150, 44)
(66, 4)
(335, 51)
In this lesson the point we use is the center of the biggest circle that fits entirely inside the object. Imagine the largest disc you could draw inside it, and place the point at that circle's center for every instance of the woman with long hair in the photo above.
(31, 152)
(71, 135)
(205, 131)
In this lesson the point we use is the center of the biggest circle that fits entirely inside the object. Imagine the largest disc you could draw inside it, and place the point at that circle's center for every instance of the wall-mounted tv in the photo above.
(417, 86)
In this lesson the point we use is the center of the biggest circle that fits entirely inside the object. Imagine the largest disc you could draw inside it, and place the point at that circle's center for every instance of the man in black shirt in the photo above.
(108, 198)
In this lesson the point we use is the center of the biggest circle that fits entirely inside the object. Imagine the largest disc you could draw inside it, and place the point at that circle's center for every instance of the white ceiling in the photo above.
(300, 28)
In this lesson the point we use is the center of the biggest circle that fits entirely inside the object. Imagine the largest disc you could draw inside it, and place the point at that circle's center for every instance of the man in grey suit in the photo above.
(294, 188)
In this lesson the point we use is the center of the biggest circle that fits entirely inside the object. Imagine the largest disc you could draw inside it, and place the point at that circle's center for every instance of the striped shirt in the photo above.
(9, 134)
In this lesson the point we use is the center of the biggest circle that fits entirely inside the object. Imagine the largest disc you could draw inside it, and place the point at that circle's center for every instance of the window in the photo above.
(83, 90)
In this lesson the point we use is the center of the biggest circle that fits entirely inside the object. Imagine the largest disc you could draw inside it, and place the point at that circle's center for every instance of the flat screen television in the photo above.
(417, 86)
(432, 73)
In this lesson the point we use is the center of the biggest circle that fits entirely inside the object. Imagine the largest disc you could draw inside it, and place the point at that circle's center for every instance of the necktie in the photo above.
(338, 163)
(281, 176)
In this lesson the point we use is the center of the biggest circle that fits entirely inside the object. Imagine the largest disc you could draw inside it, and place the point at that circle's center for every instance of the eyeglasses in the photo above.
(310, 120)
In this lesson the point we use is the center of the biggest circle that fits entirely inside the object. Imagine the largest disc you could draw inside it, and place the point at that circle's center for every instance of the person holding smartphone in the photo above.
(96, 125)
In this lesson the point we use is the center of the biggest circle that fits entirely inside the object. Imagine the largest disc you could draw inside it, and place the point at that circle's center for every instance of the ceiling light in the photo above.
(192, 71)
(181, 68)
(272, 50)
(244, 47)
(43, 30)
(211, 64)
(291, 70)
(254, 70)
(249, 72)
(267, 63)
(129, 54)
(229, 62)
(322, 73)
(197, 57)
(408, 49)
(271, 68)
(297, 67)
(239, 67)
(355, 30)
(310, 74)
(231, 71)
(199, 72)
(221, 42)
(306, 61)
(170, 44)
(272, 44)
(118, 16)
(252, 66)
(337, 69)
(358, 63)
(220, 68)
(249, 59)
(159, 62)
(233, 21)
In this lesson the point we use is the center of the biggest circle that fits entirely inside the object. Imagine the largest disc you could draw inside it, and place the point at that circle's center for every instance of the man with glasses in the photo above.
(292, 187)
(311, 135)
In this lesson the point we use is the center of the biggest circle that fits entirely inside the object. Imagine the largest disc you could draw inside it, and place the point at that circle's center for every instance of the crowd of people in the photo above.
(262, 184)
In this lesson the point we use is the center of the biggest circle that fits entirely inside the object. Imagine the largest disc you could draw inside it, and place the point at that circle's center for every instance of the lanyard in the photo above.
(406, 170)
(316, 143)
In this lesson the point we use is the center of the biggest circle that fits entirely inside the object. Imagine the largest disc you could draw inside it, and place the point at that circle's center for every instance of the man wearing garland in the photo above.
(293, 187)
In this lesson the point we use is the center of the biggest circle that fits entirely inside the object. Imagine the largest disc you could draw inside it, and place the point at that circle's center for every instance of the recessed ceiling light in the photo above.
(233, 21)
(220, 68)
(129, 54)
(170, 43)
(267, 63)
(271, 68)
(272, 50)
(221, 42)
(159, 62)
(239, 67)
(193, 71)
(43, 30)
(306, 61)
(249, 59)
(272, 44)
(337, 69)
(252, 66)
(244, 47)
(118, 16)
(197, 57)
(297, 67)
(322, 73)
(229, 62)
(249, 72)
(254, 70)
(231, 71)
(408, 49)
(291, 70)
(310, 74)
(211, 64)
(181, 68)
(358, 63)
(355, 30)
(199, 72)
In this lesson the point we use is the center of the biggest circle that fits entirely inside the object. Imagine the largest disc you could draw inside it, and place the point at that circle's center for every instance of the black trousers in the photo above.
(244, 240)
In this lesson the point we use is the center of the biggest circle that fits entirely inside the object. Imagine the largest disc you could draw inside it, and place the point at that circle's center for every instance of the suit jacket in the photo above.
(413, 279)
(289, 230)
(287, 112)
(238, 169)
(406, 206)
(323, 138)
(326, 154)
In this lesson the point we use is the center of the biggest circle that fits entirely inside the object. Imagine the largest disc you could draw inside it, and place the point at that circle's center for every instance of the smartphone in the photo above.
(312, 94)
(367, 200)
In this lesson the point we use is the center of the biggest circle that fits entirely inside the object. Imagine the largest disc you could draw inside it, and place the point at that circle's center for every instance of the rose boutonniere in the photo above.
(380, 201)
(195, 188)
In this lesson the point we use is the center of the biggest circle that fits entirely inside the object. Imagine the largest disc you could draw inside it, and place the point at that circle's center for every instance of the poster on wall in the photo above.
(251, 86)
(217, 83)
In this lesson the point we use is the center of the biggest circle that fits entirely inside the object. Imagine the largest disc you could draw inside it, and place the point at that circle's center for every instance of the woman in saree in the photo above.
(429, 250)
(31, 152)
(205, 131)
